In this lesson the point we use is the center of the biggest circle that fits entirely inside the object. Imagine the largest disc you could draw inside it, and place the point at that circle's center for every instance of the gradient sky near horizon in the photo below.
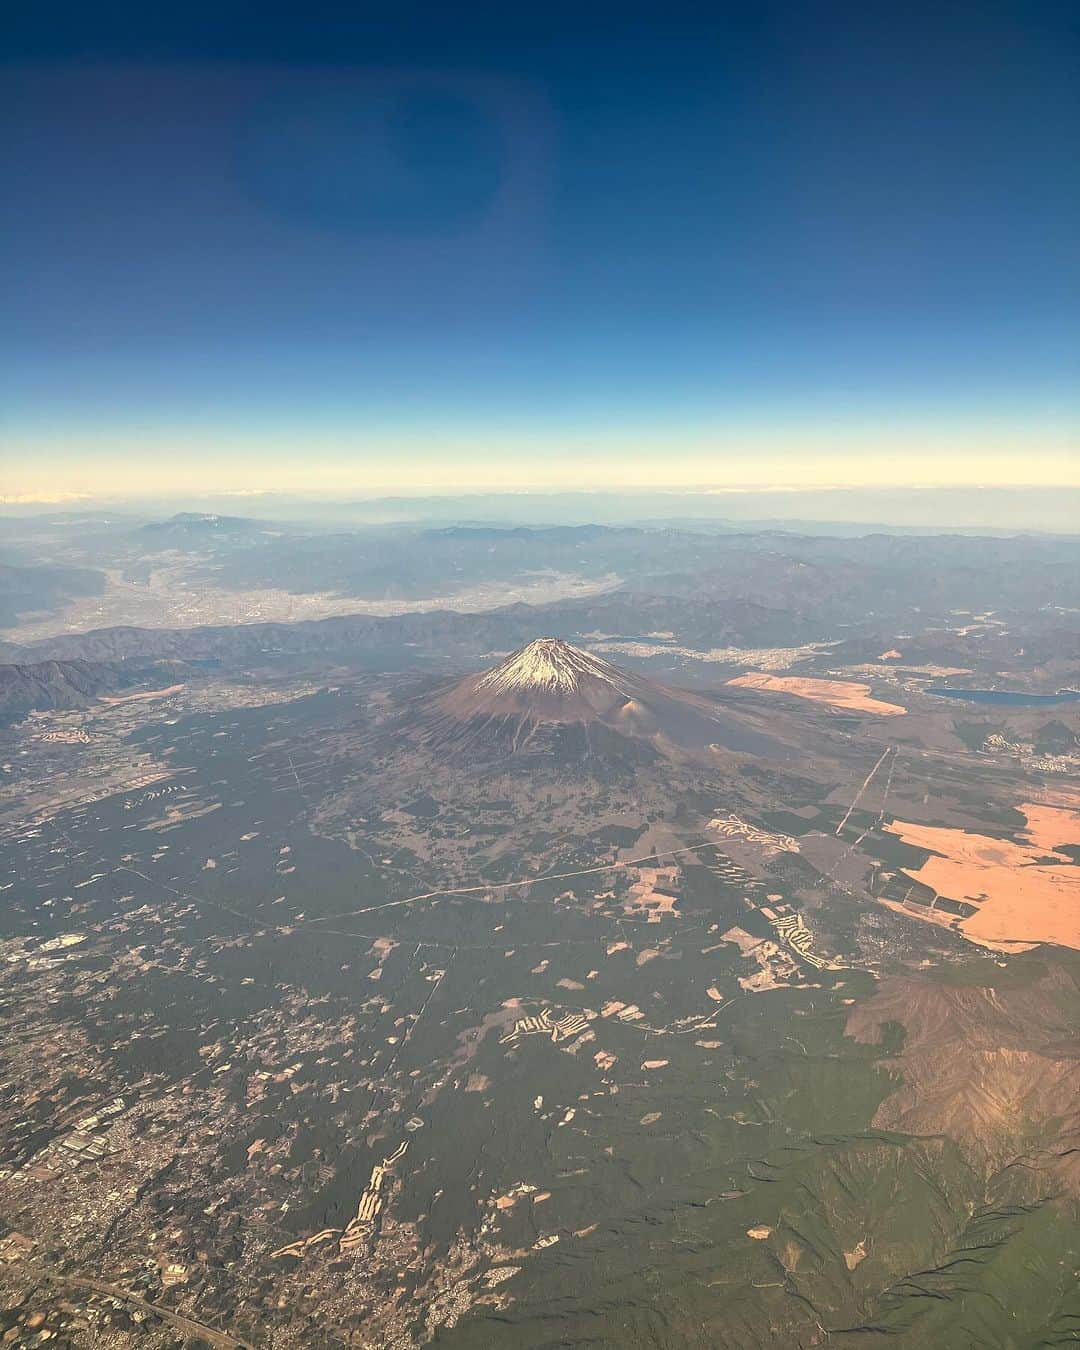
(514, 245)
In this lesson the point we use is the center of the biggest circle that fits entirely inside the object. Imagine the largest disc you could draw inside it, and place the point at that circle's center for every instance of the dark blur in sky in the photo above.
(488, 225)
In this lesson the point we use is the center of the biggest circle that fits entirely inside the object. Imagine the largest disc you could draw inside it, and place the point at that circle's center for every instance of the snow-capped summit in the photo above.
(545, 681)
(553, 666)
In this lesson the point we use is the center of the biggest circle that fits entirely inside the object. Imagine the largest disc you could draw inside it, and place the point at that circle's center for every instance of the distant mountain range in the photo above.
(26, 590)
(195, 530)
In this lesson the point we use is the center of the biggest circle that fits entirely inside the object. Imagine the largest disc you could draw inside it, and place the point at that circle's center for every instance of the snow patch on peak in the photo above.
(551, 666)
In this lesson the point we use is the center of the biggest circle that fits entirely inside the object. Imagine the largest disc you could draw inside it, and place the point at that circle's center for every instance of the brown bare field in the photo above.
(1021, 898)
(1048, 827)
(847, 694)
(142, 695)
(644, 898)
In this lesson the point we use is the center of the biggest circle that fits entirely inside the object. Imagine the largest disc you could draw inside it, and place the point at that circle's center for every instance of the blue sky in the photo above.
(521, 245)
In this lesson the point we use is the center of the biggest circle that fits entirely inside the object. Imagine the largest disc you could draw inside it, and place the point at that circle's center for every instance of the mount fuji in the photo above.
(553, 699)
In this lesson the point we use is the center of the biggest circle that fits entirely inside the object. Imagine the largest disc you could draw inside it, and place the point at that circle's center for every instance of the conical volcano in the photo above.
(551, 698)
(547, 680)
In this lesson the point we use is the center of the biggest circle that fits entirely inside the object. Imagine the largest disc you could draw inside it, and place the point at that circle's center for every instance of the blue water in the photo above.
(1015, 699)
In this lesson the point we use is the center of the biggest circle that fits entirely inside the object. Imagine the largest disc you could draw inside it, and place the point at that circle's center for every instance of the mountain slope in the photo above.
(59, 684)
(550, 697)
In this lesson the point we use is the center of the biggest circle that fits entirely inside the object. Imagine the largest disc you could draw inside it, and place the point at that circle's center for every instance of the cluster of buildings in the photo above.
(1025, 752)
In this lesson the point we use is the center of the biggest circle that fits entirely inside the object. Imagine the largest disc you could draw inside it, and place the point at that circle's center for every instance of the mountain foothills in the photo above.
(479, 936)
